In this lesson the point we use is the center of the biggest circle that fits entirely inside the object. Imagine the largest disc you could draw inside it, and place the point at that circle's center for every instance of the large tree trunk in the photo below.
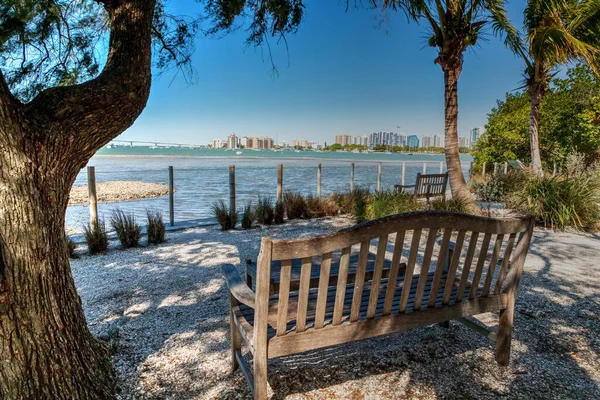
(536, 93)
(47, 349)
(458, 185)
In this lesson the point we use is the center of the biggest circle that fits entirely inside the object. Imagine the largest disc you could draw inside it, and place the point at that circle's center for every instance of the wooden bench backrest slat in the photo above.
(303, 293)
(431, 184)
(376, 280)
(467, 266)
(480, 262)
(439, 268)
(322, 294)
(341, 285)
(453, 267)
(396, 258)
(360, 280)
(284, 295)
(492, 266)
(424, 269)
(505, 262)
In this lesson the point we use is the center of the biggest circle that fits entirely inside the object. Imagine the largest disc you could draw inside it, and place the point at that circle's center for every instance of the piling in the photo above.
(91, 173)
(280, 182)
(171, 198)
(403, 172)
(379, 178)
(232, 189)
(352, 177)
(319, 182)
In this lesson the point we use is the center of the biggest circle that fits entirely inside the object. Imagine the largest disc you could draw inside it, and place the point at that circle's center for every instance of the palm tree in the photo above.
(455, 26)
(556, 32)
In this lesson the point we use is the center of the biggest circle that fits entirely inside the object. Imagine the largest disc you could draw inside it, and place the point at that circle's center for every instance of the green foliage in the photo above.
(295, 206)
(569, 122)
(388, 202)
(335, 147)
(96, 237)
(128, 231)
(247, 217)
(559, 202)
(264, 211)
(458, 205)
(71, 247)
(225, 217)
(279, 212)
(156, 227)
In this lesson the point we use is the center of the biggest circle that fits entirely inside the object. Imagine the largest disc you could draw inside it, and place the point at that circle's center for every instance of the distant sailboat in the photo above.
(238, 152)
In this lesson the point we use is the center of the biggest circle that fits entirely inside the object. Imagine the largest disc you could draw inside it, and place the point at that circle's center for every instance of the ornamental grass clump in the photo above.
(247, 216)
(388, 202)
(225, 217)
(559, 202)
(96, 237)
(459, 205)
(264, 211)
(156, 227)
(314, 207)
(279, 214)
(71, 247)
(128, 231)
(294, 204)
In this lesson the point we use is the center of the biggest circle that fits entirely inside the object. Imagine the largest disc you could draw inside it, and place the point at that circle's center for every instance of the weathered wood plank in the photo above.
(431, 236)
(303, 293)
(467, 266)
(453, 266)
(492, 266)
(284, 291)
(381, 248)
(323, 285)
(393, 277)
(480, 262)
(360, 279)
(410, 267)
(341, 285)
(439, 268)
(505, 262)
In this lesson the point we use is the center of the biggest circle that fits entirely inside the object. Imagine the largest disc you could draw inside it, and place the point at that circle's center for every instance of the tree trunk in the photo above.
(47, 349)
(458, 185)
(535, 96)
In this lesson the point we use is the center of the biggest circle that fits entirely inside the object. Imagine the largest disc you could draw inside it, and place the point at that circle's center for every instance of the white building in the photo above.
(464, 141)
(233, 142)
(438, 141)
(219, 143)
(426, 141)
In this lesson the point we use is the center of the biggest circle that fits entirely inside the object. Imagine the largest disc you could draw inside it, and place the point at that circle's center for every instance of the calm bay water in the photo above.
(201, 176)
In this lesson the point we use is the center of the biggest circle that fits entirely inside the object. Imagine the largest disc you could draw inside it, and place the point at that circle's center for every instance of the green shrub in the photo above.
(389, 202)
(294, 204)
(71, 247)
(156, 227)
(96, 237)
(128, 231)
(227, 218)
(499, 185)
(279, 212)
(264, 211)
(559, 202)
(314, 207)
(247, 216)
(458, 204)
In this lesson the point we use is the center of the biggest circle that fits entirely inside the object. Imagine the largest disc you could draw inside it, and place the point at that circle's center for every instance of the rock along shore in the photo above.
(115, 191)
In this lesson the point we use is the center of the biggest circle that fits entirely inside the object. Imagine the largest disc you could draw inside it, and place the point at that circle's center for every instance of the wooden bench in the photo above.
(427, 185)
(431, 291)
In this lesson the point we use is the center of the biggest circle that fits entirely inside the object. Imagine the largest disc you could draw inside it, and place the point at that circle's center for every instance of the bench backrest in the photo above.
(488, 259)
(429, 185)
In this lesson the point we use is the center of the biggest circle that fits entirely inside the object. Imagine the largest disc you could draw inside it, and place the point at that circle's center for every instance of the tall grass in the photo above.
(279, 212)
(294, 204)
(227, 218)
(264, 211)
(247, 216)
(457, 204)
(71, 247)
(96, 237)
(156, 227)
(559, 202)
(388, 202)
(314, 207)
(128, 231)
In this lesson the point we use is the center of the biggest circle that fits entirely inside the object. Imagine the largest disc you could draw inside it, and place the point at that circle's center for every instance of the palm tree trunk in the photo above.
(535, 96)
(458, 185)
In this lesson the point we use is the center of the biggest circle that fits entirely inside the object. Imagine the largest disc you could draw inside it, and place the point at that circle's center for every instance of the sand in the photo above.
(114, 191)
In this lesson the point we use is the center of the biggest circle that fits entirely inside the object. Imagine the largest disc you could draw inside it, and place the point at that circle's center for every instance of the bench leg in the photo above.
(504, 337)
(236, 339)
(260, 377)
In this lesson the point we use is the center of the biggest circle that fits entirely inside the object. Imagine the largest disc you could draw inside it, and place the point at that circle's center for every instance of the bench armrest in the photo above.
(237, 286)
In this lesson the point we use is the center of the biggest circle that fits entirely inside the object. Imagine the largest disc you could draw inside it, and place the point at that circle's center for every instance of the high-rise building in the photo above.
(413, 141)
(343, 140)
(476, 133)
(438, 141)
(426, 141)
(386, 139)
(260, 143)
(219, 143)
(464, 141)
(233, 142)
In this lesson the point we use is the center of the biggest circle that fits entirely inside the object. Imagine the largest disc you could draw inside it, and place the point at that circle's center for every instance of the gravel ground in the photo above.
(114, 191)
(165, 308)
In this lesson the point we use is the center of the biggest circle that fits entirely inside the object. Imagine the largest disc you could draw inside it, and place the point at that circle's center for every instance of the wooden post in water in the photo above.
(505, 168)
(483, 169)
(280, 182)
(91, 173)
(403, 171)
(441, 167)
(319, 182)
(379, 178)
(171, 198)
(424, 168)
(232, 189)
(352, 177)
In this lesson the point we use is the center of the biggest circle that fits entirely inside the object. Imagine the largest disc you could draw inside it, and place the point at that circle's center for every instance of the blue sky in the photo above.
(346, 74)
